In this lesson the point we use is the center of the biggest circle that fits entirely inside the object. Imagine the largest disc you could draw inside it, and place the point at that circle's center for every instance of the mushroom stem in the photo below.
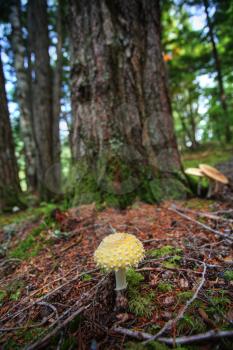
(216, 187)
(199, 187)
(210, 190)
(120, 279)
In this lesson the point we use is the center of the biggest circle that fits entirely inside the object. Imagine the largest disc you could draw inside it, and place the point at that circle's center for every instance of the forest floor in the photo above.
(52, 296)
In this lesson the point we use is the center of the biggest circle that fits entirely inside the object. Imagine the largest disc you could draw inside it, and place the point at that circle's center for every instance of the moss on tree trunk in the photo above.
(123, 137)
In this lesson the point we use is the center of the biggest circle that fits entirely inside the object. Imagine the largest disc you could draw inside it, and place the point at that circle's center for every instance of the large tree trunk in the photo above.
(9, 181)
(122, 115)
(45, 130)
(23, 96)
(218, 68)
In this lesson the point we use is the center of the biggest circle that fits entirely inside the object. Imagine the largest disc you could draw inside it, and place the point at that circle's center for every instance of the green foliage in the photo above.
(3, 294)
(228, 275)
(15, 296)
(218, 303)
(183, 297)
(134, 278)
(164, 251)
(44, 210)
(86, 277)
(139, 303)
(172, 262)
(15, 288)
(25, 336)
(211, 154)
(164, 287)
(69, 342)
(191, 323)
(30, 246)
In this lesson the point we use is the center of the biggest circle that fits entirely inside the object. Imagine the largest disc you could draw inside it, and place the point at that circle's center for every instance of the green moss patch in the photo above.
(228, 275)
(3, 295)
(191, 323)
(30, 246)
(164, 287)
(117, 183)
(140, 302)
(23, 337)
(164, 251)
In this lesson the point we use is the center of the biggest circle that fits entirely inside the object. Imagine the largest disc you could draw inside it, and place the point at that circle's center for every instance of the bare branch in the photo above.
(206, 227)
(170, 341)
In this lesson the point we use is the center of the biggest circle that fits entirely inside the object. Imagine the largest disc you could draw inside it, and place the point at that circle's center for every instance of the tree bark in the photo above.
(193, 126)
(218, 68)
(46, 129)
(23, 96)
(57, 80)
(9, 181)
(122, 113)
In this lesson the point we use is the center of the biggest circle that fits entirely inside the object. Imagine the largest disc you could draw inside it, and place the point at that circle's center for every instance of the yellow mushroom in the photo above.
(117, 252)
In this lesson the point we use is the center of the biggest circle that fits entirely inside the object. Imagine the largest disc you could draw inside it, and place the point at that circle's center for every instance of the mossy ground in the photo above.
(147, 290)
(211, 154)
(140, 302)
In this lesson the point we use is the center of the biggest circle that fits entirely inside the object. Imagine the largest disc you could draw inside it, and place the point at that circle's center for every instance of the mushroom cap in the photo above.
(213, 173)
(119, 251)
(194, 171)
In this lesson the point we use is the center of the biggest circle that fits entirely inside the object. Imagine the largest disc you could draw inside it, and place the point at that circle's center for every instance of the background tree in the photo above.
(9, 181)
(219, 76)
(46, 101)
(24, 95)
(203, 55)
(122, 115)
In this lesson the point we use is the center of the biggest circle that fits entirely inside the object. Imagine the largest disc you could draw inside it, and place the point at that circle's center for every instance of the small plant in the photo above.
(141, 305)
(164, 251)
(86, 277)
(164, 287)
(183, 297)
(3, 294)
(134, 278)
(16, 295)
(191, 323)
(228, 275)
(14, 289)
(172, 262)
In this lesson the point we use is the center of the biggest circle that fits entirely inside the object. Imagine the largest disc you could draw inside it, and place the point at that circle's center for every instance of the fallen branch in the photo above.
(171, 341)
(46, 296)
(206, 227)
(41, 343)
(204, 214)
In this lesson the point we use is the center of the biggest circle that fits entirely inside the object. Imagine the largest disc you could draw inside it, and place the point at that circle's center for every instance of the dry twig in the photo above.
(180, 315)
(206, 227)
(170, 341)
